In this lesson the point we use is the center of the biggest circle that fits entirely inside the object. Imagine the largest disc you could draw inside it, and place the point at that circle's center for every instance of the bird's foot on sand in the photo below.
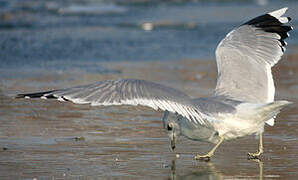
(203, 158)
(254, 155)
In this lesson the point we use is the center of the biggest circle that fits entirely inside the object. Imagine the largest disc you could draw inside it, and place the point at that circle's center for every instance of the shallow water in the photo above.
(42, 35)
(58, 44)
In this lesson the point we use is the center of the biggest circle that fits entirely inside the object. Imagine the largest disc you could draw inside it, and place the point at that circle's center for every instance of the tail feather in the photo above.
(270, 110)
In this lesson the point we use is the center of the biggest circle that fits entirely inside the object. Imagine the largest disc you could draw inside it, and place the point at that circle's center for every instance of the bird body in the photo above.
(243, 100)
(229, 119)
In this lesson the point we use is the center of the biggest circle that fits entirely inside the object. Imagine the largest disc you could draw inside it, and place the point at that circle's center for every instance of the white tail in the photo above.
(270, 110)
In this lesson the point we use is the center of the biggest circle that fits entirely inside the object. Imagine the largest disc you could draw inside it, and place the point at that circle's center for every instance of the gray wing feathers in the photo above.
(245, 57)
(263, 47)
(243, 80)
(127, 92)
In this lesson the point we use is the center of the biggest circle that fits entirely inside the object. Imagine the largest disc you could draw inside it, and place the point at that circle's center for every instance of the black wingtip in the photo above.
(18, 96)
(273, 23)
(32, 95)
(274, 18)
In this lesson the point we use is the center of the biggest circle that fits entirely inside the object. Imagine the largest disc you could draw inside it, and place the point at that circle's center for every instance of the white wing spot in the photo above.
(283, 19)
(279, 12)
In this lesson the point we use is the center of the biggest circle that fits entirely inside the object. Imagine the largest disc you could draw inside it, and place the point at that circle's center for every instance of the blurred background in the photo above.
(50, 44)
(62, 34)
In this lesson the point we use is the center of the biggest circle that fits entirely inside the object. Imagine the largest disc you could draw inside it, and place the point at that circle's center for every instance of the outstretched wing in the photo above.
(245, 57)
(127, 92)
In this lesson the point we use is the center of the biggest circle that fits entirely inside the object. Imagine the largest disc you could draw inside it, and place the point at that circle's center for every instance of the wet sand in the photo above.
(54, 140)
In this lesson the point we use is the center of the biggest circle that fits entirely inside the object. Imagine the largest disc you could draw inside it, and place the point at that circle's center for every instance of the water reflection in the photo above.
(209, 171)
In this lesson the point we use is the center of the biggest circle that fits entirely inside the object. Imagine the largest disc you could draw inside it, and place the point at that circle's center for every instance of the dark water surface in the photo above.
(57, 44)
(59, 34)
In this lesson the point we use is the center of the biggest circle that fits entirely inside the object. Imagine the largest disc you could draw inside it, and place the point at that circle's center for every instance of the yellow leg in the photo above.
(207, 156)
(257, 154)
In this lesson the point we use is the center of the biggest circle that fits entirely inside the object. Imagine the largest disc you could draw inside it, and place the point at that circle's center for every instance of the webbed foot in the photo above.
(254, 155)
(257, 154)
(205, 157)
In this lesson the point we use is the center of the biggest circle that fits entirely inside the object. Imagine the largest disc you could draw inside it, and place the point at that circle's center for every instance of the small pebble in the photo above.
(79, 138)
(199, 76)
(166, 165)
